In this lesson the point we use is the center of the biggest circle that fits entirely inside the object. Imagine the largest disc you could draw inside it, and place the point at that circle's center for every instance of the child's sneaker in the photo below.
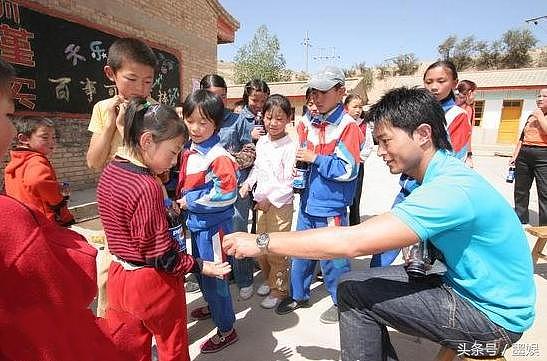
(263, 290)
(246, 292)
(269, 302)
(218, 342)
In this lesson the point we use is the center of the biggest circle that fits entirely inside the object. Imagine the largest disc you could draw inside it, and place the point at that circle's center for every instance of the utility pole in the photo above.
(307, 46)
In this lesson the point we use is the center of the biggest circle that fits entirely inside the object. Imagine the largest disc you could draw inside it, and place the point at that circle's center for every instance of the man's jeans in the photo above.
(243, 268)
(370, 300)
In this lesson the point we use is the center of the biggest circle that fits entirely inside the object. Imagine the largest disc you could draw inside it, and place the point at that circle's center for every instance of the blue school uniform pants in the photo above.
(302, 270)
(206, 244)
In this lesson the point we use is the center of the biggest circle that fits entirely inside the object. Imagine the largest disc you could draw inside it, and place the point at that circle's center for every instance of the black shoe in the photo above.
(288, 305)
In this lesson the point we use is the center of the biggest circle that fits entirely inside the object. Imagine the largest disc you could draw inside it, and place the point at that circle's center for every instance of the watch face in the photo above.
(262, 240)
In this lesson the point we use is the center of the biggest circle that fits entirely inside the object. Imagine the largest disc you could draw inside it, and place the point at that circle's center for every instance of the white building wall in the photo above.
(487, 132)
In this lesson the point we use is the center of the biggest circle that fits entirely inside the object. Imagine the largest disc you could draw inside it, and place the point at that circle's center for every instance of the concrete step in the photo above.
(83, 204)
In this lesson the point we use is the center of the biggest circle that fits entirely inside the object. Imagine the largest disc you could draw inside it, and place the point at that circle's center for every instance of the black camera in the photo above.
(420, 257)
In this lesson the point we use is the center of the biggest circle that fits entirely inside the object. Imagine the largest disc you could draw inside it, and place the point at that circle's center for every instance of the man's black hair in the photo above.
(407, 108)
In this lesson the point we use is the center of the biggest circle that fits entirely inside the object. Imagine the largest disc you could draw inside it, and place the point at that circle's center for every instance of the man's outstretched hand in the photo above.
(241, 245)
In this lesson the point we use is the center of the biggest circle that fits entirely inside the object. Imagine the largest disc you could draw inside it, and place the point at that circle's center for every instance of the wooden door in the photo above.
(510, 119)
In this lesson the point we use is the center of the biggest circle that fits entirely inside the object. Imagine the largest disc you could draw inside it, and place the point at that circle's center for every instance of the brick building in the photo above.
(186, 31)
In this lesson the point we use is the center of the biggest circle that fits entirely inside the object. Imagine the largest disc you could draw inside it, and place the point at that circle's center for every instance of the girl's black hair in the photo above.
(159, 119)
(208, 104)
(446, 64)
(212, 80)
(278, 100)
(350, 97)
(258, 85)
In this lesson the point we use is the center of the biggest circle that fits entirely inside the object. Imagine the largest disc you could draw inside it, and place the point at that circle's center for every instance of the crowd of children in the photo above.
(226, 166)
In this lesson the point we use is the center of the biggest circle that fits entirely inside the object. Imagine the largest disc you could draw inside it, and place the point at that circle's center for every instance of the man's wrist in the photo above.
(262, 242)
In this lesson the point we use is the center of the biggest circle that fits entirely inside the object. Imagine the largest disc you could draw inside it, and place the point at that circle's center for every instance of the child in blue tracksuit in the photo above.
(208, 190)
(330, 144)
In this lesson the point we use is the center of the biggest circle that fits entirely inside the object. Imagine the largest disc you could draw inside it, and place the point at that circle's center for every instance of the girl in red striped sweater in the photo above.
(145, 280)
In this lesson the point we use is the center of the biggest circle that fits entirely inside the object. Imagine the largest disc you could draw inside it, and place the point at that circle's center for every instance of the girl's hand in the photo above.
(305, 155)
(182, 203)
(244, 190)
(213, 269)
(257, 132)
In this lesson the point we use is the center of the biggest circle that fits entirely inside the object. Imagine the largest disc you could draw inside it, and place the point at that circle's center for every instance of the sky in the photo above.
(348, 32)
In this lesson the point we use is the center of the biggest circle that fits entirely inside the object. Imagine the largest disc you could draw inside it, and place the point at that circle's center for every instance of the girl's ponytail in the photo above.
(134, 119)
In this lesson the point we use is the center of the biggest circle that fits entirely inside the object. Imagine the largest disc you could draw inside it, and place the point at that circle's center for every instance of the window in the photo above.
(479, 111)
(512, 103)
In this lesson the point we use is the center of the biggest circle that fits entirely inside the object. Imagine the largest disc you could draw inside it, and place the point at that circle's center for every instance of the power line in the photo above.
(535, 21)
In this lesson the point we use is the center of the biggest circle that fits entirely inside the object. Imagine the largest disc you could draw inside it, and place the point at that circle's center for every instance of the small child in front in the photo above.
(208, 190)
(30, 177)
(146, 276)
(272, 176)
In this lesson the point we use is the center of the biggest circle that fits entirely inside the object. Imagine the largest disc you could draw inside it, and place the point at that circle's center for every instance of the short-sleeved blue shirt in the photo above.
(485, 249)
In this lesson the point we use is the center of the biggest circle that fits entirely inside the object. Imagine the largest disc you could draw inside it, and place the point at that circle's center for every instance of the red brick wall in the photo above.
(188, 26)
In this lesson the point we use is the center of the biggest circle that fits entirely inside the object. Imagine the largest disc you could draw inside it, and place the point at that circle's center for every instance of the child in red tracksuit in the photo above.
(30, 177)
(145, 280)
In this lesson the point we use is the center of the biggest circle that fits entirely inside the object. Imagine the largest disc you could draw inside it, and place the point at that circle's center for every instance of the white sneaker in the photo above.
(246, 292)
(269, 302)
(263, 290)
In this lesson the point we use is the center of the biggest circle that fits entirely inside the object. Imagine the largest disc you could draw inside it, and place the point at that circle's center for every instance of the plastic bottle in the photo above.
(510, 174)
(259, 121)
(301, 170)
(300, 177)
(176, 230)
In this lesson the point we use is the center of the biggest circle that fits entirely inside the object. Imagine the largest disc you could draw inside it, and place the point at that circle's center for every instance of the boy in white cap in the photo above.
(330, 145)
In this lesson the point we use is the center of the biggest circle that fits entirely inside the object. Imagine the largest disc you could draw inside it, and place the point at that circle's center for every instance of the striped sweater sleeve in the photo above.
(343, 164)
(221, 193)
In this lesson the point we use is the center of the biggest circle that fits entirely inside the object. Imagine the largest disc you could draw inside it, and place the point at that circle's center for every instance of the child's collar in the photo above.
(205, 146)
(332, 117)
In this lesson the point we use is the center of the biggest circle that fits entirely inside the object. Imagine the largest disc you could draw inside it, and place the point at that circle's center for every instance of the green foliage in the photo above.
(260, 58)
(446, 48)
(489, 55)
(511, 51)
(405, 64)
(517, 44)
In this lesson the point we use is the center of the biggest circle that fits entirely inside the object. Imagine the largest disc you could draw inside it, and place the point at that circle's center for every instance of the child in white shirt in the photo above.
(272, 176)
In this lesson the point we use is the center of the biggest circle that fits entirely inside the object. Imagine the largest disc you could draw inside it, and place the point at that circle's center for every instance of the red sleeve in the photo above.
(40, 177)
(459, 132)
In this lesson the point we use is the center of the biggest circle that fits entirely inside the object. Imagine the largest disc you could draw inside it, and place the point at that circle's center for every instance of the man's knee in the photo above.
(352, 290)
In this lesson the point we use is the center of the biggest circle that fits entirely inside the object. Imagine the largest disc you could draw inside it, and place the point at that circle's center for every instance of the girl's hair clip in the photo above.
(143, 106)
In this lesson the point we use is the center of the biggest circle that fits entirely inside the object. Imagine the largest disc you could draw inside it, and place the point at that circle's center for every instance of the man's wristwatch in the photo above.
(262, 241)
